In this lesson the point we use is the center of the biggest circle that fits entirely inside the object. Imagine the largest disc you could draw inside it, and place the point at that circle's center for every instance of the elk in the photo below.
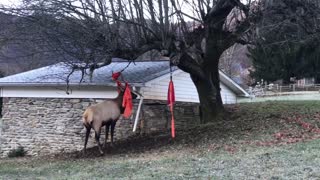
(105, 114)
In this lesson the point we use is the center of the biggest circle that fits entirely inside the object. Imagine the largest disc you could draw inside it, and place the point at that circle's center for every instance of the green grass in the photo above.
(242, 146)
(289, 162)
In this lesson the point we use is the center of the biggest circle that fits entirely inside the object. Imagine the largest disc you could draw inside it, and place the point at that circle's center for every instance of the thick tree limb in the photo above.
(187, 64)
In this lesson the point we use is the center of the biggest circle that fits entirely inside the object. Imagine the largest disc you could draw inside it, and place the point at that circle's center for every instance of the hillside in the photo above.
(272, 140)
(17, 51)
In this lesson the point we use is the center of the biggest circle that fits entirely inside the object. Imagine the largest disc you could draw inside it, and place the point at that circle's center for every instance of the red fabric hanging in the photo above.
(127, 98)
(127, 102)
(115, 76)
(171, 101)
(171, 96)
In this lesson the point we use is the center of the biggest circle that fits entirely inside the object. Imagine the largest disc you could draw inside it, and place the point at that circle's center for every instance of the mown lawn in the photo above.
(272, 140)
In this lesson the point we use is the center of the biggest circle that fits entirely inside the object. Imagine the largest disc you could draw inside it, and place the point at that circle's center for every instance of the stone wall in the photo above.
(156, 116)
(45, 125)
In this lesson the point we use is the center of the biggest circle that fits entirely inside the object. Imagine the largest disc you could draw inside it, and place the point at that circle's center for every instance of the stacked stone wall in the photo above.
(47, 125)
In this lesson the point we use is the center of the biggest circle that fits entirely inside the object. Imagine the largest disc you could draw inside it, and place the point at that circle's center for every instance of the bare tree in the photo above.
(192, 33)
(228, 64)
(235, 63)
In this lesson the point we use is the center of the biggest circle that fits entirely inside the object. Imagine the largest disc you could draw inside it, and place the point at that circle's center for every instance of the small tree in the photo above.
(234, 61)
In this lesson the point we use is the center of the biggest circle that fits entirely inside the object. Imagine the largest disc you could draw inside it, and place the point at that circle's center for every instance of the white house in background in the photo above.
(305, 82)
(151, 78)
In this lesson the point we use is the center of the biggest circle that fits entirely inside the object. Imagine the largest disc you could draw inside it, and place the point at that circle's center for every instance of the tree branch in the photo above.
(187, 64)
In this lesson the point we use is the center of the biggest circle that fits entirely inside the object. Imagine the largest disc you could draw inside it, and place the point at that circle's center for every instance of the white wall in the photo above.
(185, 90)
(59, 92)
(228, 97)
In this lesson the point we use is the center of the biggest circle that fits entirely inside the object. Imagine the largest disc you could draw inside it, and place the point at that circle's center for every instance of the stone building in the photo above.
(42, 114)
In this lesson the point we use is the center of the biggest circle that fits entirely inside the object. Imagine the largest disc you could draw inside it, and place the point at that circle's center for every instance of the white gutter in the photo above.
(245, 93)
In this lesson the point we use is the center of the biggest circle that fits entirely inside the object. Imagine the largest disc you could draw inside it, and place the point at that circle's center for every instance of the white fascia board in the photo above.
(229, 82)
(59, 92)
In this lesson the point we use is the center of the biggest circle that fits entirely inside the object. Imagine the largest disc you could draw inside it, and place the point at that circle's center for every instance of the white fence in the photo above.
(275, 89)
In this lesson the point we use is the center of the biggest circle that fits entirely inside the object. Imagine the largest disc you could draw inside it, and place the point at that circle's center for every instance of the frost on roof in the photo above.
(138, 72)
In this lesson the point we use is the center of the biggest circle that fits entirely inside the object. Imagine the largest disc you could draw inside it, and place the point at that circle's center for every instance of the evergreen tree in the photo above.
(287, 43)
(277, 61)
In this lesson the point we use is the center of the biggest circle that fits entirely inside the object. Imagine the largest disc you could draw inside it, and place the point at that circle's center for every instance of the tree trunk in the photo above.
(216, 82)
(204, 71)
(317, 80)
(211, 107)
(209, 89)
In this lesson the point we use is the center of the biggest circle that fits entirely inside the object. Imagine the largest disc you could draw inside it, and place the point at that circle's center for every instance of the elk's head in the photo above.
(122, 90)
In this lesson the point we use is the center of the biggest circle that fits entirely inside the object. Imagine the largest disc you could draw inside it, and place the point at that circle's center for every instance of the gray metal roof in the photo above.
(137, 73)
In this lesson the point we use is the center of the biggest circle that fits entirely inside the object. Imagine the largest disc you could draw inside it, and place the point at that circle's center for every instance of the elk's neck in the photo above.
(119, 99)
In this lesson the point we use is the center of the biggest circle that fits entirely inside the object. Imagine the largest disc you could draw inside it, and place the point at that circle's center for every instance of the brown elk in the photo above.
(105, 114)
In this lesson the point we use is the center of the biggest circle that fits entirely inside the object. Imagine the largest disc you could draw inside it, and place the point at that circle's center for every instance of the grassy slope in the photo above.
(261, 140)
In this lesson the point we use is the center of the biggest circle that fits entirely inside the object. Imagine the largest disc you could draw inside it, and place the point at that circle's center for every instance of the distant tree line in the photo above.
(288, 43)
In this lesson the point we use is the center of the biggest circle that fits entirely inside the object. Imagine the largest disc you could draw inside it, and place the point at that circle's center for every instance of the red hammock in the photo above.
(127, 102)
(171, 100)
(127, 98)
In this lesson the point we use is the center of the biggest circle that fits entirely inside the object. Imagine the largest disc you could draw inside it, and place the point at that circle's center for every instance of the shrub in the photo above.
(19, 152)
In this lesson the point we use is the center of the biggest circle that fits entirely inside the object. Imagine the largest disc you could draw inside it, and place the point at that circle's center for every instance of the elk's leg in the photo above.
(86, 140)
(97, 136)
(113, 124)
(107, 134)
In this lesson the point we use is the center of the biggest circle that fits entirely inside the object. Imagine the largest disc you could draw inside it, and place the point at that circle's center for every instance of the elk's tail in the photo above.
(87, 118)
